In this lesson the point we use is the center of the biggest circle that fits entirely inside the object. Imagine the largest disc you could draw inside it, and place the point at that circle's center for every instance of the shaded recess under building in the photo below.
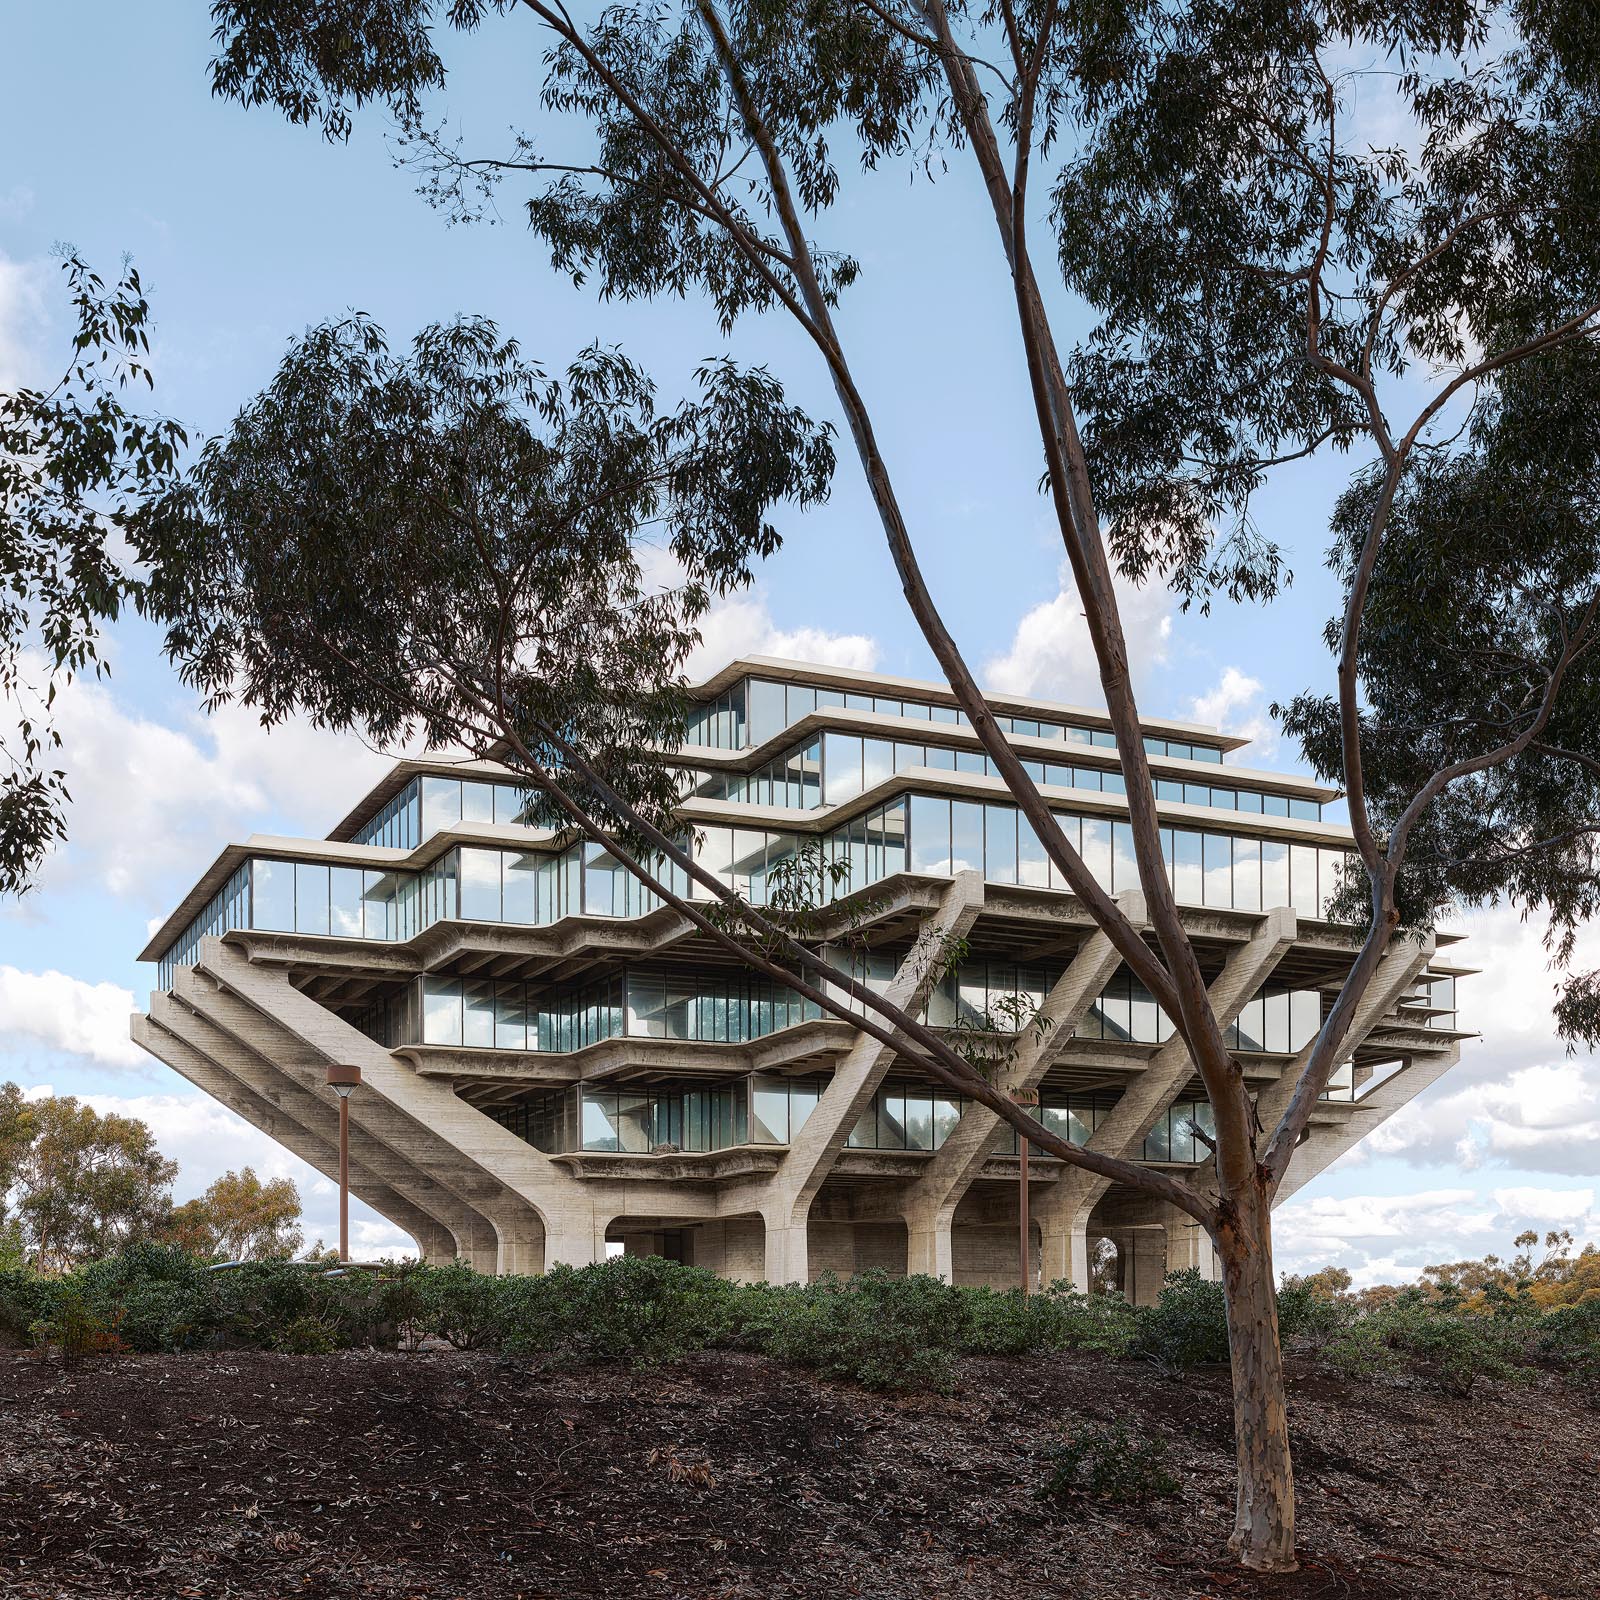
(555, 1065)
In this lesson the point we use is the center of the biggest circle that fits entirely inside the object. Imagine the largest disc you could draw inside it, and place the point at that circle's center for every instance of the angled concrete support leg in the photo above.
(785, 1204)
(930, 1202)
(1065, 1210)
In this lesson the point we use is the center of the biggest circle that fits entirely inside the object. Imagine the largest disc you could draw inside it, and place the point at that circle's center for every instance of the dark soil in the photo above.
(453, 1476)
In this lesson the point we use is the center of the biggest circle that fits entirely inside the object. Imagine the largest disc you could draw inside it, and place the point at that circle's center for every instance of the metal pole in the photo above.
(344, 1177)
(1027, 1242)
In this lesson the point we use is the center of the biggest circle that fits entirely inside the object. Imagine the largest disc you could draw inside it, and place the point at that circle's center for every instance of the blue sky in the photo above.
(247, 231)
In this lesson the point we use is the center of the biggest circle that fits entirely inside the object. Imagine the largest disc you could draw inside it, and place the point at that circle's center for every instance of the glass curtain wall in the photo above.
(835, 767)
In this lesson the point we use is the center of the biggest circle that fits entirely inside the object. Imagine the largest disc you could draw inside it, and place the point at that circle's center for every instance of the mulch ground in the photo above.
(447, 1476)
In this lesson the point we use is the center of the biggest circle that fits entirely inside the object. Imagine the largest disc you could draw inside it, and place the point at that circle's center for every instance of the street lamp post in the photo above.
(1029, 1098)
(342, 1080)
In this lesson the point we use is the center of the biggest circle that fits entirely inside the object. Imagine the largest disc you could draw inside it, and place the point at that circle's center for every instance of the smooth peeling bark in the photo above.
(1263, 1525)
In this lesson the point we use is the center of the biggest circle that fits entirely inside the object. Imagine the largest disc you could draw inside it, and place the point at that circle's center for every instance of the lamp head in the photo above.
(342, 1079)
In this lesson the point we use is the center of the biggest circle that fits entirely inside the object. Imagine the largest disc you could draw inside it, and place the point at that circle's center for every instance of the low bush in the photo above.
(1413, 1337)
(1568, 1340)
(1186, 1327)
(894, 1334)
(1009, 1323)
(1104, 1461)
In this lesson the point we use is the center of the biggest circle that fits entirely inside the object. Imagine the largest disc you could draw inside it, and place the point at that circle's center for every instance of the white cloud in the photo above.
(63, 1013)
(1386, 1238)
(1234, 704)
(22, 317)
(151, 801)
(742, 625)
(1051, 655)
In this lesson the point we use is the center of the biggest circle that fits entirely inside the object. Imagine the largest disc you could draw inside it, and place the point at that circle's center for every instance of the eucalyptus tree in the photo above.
(1266, 281)
(73, 460)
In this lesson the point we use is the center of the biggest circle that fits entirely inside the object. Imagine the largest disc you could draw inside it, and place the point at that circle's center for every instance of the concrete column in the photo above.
(1064, 1253)
(929, 1204)
(928, 1249)
(1066, 1207)
(785, 1202)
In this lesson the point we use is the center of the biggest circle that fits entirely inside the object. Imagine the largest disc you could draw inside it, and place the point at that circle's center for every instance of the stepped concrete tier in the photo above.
(555, 1066)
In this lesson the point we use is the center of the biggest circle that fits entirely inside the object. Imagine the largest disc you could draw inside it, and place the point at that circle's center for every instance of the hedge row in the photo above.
(885, 1333)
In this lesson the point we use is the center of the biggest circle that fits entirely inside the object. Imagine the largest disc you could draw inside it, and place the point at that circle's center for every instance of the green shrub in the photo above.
(1106, 1462)
(1008, 1323)
(895, 1334)
(1310, 1320)
(1568, 1339)
(306, 1336)
(25, 1299)
(79, 1329)
(1186, 1327)
(1415, 1337)
(640, 1309)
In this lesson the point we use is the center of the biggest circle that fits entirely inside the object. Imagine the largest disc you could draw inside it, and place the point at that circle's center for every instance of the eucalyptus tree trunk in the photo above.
(1263, 1524)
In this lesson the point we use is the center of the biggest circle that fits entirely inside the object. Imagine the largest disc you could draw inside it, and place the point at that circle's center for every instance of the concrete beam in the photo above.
(435, 1242)
(929, 1204)
(1063, 1211)
(309, 1105)
(785, 1200)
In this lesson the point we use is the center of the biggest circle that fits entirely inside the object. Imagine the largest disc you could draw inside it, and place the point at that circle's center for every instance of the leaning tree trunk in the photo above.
(1263, 1524)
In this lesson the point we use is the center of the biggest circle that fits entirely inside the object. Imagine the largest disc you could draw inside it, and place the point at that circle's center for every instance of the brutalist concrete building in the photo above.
(555, 1066)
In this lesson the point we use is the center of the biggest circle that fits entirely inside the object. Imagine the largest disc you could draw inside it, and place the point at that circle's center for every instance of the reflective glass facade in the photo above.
(835, 767)
(922, 833)
(757, 709)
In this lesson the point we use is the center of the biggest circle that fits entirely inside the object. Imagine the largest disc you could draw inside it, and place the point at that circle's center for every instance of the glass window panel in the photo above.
(1124, 865)
(769, 1105)
(930, 834)
(510, 1016)
(1252, 1024)
(441, 1010)
(310, 898)
(800, 700)
(1188, 867)
(1218, 848)
(480, 885)
(1247, 800)
(1116, 1009)
(841, 767)
(1097, 849)
(919, 1120)
(1303, 880)
(1000, 825)
(1330, 875)
(1306, 810)
(1274, 874)
(891, 1121)
(477, 802)
(379, 895)
(946, 1118)
(940, 758)
(877, 761)
(509, 803)
(520, 888)
(767, 710)
(803, 1097)
(441, 804)
(1146, 1015)
(1305, 1017)
(600, 1122)
(1172, 789)
(478, 1013)
(1247, 874)
(1158, 1142)
(1033, 866)
(966, 837)
(864, 1136)
(1276, 1025)
(345, 887)
(1063, 777)
(1275, 805)
(272, 888)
